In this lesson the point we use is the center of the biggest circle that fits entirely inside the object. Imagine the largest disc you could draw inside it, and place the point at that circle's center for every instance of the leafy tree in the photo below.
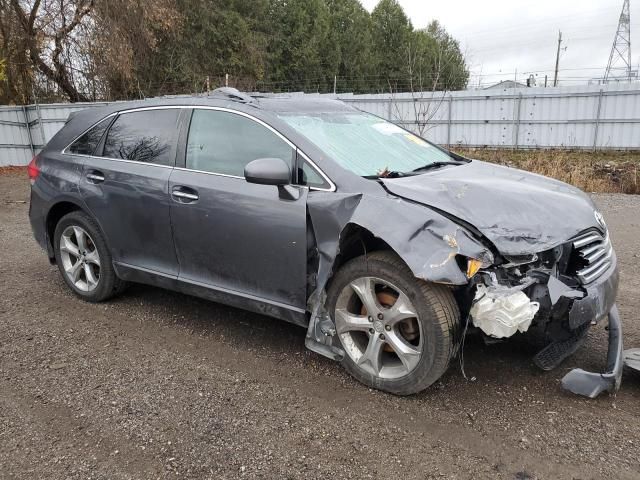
(117, 49)
(214, 38)
(300, 53)
(444, 58)
(17, 83)
(391, 32)
(350, 31)
(124, 46)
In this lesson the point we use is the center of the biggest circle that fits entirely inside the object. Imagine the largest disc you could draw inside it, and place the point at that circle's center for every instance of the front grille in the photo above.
(594, 252)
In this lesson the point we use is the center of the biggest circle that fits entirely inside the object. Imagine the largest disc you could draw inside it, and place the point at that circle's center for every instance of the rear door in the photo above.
(229, 234)
(125, 186)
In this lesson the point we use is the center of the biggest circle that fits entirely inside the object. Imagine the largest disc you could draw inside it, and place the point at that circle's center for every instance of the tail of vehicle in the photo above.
(33, 170)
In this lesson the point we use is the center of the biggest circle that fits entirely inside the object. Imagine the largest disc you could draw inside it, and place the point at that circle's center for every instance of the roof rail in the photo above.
(232, 94)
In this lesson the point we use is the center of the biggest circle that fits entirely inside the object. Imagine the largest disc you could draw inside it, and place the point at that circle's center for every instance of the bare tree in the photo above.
(78, 49)
(48, 29)
(434, 65)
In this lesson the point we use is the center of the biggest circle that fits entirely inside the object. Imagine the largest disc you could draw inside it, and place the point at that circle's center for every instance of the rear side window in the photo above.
(145, 136)
(223, 142)
(87, 143)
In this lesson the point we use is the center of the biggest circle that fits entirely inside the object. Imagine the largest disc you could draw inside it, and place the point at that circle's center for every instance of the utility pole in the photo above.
(621, 49)
(555, 76)
(335, 80)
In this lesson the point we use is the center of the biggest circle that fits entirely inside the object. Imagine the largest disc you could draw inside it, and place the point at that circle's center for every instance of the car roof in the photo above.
(277, 103)
(263, 106)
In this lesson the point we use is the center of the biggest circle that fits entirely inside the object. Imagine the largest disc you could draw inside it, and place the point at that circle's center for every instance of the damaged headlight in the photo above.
(474, 265)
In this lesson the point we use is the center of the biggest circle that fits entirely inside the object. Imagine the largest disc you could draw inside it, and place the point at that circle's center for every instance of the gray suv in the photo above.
(385, 247)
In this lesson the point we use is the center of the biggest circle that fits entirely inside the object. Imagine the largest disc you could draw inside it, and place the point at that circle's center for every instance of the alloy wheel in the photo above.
(379, 328)
(80, 258)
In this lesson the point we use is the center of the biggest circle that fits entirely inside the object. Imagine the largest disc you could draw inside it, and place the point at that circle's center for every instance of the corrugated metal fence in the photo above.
(583, 117)
(25, 129)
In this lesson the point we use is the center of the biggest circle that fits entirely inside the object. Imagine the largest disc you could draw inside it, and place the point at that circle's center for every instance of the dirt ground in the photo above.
(156, 384)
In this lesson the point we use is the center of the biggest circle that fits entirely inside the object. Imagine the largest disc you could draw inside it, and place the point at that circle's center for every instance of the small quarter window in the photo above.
(143, 136)
(309, 176)
(224, 142)
(87, 143)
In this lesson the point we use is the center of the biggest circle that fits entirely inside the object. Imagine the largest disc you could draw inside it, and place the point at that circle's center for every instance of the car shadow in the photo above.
(254, 331)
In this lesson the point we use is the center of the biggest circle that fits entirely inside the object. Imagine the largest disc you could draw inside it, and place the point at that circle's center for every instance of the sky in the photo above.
(513, 39)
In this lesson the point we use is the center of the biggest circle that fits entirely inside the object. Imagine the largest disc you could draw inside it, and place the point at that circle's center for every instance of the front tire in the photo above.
(398, 332)
(83, 258)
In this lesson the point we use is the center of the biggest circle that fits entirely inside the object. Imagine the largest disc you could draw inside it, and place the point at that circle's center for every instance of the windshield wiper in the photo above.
(389, 174)
(429, 166)
(397, 174)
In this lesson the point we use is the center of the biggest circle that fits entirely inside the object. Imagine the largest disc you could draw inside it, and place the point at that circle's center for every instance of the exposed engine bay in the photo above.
(538, 294)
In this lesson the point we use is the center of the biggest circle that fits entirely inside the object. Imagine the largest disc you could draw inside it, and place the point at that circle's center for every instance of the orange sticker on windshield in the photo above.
(415, 139)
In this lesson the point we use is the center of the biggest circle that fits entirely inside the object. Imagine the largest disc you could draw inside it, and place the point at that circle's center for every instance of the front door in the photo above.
(125, 186)
(229, 234)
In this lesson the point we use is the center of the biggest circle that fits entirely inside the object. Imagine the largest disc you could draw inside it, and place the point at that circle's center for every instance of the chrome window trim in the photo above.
(64, 150)
(332, 186)
(120, 160)
(208, 173)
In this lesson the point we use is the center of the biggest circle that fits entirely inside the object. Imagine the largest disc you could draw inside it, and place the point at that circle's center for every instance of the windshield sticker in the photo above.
(388, 128)
(416, 140)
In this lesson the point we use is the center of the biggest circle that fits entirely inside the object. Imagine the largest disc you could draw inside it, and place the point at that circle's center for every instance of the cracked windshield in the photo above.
(366, 144)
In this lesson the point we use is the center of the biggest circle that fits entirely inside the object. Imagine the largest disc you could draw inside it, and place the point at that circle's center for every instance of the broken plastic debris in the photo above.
(632, 359)
(559, 289)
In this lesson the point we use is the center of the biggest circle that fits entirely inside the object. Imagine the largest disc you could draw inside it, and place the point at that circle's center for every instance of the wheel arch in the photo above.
(55, 213)
(356, 240)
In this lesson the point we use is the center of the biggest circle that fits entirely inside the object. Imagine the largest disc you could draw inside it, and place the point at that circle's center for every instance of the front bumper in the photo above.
(600, 298)
(592, 384)
(564, 315)
(599, 302)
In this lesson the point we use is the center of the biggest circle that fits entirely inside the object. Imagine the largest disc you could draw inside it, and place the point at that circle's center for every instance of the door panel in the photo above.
(240, 236)
(126, 187)
(131, 205)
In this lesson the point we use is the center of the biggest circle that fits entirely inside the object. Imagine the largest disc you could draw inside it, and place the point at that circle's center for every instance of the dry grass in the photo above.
(14, 171)
(603, 172)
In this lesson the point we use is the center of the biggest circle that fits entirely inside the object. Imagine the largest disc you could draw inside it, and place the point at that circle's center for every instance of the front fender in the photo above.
(427, 241)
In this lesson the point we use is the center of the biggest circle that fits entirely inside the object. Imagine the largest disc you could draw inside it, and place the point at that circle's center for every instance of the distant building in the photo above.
(506, 84)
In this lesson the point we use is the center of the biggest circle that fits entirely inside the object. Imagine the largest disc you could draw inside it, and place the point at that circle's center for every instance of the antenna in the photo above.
(621, 49)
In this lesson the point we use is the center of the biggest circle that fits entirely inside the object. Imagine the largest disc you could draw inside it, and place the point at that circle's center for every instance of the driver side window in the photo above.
(224, 142)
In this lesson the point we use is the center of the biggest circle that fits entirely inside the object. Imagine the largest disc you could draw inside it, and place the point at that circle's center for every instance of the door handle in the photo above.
(95, 176)
(184, 194)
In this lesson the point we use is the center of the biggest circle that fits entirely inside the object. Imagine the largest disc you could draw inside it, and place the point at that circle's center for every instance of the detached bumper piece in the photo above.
(591, 384)
(555, 353)
(632, 359)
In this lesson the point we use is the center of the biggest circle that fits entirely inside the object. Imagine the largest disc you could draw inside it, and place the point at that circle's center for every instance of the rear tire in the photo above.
(83, 258)
(406, 345)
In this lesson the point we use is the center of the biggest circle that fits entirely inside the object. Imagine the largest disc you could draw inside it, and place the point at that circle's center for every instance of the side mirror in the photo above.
(268, 171)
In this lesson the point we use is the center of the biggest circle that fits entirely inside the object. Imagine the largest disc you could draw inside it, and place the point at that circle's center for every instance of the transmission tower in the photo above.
(621, 49)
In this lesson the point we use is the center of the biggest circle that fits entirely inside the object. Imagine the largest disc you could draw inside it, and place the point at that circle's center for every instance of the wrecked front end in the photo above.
(555, 296)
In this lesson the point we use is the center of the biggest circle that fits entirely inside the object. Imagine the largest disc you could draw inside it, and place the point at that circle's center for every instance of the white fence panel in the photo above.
(584, 117)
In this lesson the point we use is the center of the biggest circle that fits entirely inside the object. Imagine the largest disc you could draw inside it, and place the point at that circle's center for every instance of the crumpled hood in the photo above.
(518, 211)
